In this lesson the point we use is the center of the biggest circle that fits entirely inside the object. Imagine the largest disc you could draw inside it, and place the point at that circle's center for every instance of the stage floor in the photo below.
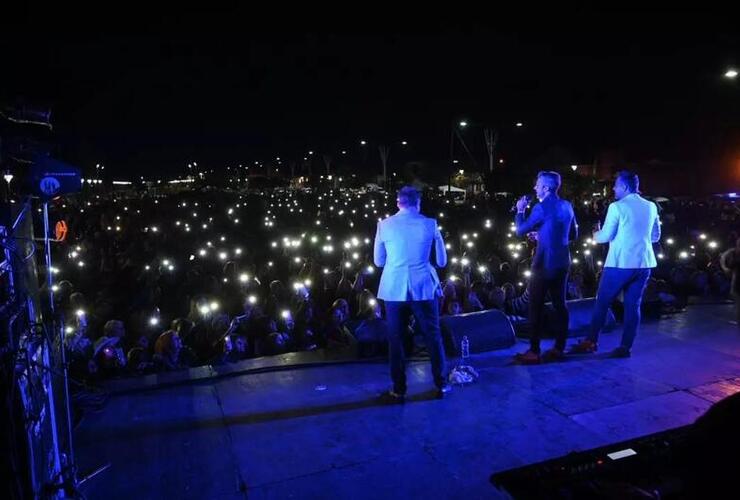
(321, 433)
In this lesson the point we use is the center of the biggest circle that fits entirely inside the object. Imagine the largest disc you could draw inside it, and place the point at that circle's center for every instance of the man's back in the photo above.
(631, 227)
(403, 245)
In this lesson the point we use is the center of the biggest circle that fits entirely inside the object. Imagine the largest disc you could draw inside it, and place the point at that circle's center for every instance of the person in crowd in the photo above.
(453, 308)
(306, 331)
(167, 351)
(338, 336)
(240, 351)
(730, 262)
(371, 330)
(109, 359)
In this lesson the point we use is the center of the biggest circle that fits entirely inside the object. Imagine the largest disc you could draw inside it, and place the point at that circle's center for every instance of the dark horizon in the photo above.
(221, 88)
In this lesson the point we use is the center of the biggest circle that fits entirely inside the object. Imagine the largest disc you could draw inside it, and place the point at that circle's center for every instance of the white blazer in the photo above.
(403, 245)
(630, 228)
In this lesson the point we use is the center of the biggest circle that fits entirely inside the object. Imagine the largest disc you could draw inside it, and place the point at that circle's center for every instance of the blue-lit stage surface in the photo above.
(319, 432)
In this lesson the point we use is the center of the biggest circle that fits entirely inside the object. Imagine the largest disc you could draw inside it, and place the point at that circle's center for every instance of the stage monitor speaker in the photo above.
(579, 314)
(486, 331)
(579, 319)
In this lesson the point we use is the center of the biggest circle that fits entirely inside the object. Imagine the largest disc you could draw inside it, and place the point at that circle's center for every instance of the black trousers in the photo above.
(541, 283)
(426, 313)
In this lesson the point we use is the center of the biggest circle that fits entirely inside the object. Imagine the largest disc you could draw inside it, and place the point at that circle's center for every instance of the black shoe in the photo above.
(442, 390)
(392, 397)
(552, 355)
(620, 352)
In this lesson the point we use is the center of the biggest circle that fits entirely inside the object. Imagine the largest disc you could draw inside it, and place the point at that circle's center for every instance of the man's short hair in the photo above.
(550, 179)
(629, 179)
(113, 327)
(408, 196)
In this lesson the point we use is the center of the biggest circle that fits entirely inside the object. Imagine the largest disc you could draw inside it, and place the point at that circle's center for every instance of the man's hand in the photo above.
(521, 205)
(596, 229)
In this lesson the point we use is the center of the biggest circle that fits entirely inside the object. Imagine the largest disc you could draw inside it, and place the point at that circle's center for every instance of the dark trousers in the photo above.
(613, 281)
(426, 313)
(541, 283)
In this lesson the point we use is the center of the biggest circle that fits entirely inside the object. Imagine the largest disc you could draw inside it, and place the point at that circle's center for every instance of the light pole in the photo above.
(453, 131)
(8, 178)
(384, 151)
(491, 136)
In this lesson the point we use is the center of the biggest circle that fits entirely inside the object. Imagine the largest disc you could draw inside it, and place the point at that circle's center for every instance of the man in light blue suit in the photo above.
(410, 285)
(631, 227)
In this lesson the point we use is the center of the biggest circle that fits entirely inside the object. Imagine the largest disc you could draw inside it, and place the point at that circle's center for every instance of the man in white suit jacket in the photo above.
(631, 227)
(410, 285)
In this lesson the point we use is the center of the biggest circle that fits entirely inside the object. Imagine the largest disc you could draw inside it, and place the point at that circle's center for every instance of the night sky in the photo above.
(150, 91)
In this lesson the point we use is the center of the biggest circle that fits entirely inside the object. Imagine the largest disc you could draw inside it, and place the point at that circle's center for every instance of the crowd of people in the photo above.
(148, 283)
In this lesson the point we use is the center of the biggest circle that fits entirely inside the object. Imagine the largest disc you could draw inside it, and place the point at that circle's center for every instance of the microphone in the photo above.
(513, 207)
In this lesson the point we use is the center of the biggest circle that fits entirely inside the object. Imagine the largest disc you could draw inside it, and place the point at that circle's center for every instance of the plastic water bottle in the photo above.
(465, 348)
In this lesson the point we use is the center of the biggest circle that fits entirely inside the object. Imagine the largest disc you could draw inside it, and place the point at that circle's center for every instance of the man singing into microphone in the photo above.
(555, 223)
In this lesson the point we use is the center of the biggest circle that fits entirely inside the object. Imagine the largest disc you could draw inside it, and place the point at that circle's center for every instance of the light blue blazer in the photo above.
(403, 245)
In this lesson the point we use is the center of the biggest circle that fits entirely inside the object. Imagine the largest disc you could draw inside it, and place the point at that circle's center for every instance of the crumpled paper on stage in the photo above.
(463, 374)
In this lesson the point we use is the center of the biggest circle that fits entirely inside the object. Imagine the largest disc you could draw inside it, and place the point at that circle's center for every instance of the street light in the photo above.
(403, 143)
(463, 124)
(574, 167)
(731, 73)
(362, 143)
(519, 124)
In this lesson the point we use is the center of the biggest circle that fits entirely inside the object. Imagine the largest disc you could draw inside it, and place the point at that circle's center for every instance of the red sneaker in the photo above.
(528, 358)
(585, 346)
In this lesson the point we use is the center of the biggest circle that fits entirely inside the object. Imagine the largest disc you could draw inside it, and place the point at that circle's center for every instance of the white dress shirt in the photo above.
(403, 245)
(630, 228)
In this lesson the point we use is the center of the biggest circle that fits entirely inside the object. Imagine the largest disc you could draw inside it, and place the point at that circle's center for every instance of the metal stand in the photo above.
(69, 482)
